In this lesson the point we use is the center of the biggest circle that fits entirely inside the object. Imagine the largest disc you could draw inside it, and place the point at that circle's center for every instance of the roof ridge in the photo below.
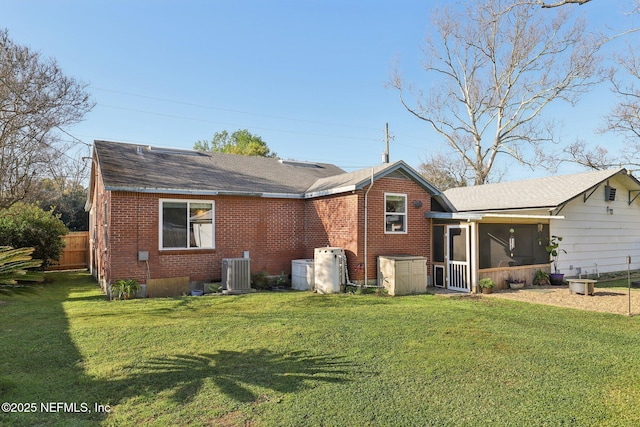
(611, 171)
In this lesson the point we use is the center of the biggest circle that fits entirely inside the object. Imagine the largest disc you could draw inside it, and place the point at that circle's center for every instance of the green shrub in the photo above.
(260, 280)
(486, 282)
(23, 225)
(215, 288)
(124, 289)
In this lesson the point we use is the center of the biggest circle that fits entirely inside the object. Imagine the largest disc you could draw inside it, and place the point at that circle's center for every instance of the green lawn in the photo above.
(301, 359)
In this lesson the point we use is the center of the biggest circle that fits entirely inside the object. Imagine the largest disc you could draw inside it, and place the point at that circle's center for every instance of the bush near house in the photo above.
(24, 225)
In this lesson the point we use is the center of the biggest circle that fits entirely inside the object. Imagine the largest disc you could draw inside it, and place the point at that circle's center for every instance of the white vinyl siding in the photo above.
(596, 240)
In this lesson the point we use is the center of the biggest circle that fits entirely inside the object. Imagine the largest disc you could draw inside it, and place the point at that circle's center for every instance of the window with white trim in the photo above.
(187, 224)
(395, 213)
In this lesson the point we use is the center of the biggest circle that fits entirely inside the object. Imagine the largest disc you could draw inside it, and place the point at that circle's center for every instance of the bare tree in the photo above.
(36, 100)
(545, 4)
(445, 171)
(494, 67)
(597, 157)
(624, 119)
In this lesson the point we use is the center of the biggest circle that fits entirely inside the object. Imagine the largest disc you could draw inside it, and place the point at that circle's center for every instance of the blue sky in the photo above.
(308, 76)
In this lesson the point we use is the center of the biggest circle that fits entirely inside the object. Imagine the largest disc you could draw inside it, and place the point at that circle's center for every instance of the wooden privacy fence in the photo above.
(76, 252)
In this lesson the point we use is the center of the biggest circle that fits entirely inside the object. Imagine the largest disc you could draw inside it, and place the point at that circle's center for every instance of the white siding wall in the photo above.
(592, 236)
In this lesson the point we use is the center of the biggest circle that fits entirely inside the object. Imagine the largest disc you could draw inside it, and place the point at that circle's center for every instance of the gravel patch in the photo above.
(604, 300)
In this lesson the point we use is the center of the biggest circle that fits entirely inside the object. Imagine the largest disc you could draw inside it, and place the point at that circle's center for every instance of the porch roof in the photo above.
(479, 216)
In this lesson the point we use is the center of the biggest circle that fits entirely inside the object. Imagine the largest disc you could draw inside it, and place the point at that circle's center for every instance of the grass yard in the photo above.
(301, 359)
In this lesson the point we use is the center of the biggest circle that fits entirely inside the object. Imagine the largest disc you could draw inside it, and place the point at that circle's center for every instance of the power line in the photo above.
(209, 107)
(191, 104)
(233, 124)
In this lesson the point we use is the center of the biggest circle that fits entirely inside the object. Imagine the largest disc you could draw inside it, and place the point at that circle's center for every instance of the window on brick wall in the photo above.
(187, 224)
(395, 213)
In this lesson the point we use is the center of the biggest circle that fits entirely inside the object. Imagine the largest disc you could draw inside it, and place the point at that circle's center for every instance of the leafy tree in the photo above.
(36, 102)
(65, 198)
(493, 67)
(239, 142)
(23, 225)
(14, 268)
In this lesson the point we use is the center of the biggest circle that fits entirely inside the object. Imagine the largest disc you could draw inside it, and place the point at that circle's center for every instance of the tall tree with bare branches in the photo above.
(493, 67)
(36, 101)
(624, 119)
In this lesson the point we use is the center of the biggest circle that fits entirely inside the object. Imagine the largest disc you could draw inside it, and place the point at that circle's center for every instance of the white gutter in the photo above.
(366, 205)
(332, 191)
(522, 216)
(204, 192)
(480, 216)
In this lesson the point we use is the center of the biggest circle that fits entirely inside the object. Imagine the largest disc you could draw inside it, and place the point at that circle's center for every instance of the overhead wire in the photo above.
(196, 105)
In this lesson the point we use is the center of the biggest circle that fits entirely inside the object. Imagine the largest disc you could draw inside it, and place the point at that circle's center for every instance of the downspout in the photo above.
(366, 206)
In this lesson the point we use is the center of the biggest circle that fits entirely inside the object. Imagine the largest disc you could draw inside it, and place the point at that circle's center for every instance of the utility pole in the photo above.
(385, 155)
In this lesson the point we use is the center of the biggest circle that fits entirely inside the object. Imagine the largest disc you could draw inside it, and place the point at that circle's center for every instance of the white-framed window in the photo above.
(187, 224)
(395, 213)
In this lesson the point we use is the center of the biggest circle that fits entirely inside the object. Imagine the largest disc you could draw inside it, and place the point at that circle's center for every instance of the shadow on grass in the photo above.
(41, 363)
(234, 373)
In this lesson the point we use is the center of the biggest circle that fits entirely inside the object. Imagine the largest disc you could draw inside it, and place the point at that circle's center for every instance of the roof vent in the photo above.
(300, 164)
(609, 193)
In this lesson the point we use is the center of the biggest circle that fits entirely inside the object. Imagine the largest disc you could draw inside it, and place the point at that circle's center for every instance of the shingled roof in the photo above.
(360, 178)
(540, 193)
(143, 168)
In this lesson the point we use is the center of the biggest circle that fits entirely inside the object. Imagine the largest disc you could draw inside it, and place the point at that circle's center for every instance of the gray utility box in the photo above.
(403, 274)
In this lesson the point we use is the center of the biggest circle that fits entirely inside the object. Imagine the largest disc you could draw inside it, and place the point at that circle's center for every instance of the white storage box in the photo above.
(302, 274)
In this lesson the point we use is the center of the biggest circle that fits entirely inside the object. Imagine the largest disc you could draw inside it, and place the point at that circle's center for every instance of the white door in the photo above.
(458, 257)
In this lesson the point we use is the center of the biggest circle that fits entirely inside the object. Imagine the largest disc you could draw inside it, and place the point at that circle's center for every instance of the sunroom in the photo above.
(468, 247)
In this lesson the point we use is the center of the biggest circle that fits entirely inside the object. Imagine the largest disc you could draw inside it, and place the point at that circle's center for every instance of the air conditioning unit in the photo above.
(236, 274)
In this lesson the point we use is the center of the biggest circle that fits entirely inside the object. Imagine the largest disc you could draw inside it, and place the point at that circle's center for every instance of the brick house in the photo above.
(187, 210)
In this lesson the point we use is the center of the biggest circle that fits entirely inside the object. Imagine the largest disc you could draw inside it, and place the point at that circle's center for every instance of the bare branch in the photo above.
(544, 4)
(36, 99)
(494, 67)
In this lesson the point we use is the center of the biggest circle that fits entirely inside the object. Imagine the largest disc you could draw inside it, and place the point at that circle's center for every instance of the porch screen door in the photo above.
(458, 258)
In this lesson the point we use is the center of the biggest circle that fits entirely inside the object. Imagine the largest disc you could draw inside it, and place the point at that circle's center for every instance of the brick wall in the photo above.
(274, 231)
(338, 221)
(417, 240)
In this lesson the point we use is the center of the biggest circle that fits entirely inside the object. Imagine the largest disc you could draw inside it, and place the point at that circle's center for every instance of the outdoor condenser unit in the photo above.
(236, 274)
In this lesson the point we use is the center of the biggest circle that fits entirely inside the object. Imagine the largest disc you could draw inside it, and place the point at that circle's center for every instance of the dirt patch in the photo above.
(603, 300)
